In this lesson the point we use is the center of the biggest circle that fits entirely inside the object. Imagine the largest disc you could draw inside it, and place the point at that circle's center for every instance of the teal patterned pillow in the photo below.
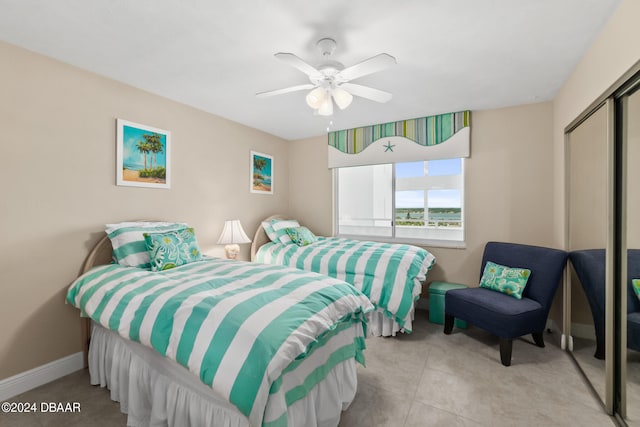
(172, 249)
(636, 286)
(301, 236)
(510, 281)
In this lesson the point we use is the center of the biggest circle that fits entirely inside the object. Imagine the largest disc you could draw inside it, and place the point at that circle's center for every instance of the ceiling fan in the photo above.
(330, 81)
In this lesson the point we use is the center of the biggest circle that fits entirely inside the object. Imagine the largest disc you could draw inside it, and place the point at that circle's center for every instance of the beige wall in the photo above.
(509, 182)
(310, 184)
(58, 128)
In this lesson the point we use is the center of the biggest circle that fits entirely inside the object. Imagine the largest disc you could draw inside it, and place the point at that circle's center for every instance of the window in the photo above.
(416, 201)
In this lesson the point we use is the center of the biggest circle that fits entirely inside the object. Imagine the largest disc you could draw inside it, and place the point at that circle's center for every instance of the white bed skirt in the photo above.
(155, 391)
(381, 325)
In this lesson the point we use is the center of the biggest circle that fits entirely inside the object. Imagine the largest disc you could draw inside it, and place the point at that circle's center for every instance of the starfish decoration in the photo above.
(388, 147)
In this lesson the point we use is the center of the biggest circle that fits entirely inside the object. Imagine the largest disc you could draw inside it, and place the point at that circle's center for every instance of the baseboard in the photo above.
(581, 330)
(28, 380)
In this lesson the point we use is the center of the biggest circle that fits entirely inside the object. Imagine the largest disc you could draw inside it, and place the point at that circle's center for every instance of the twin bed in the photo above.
(214, 341)
(391, 275)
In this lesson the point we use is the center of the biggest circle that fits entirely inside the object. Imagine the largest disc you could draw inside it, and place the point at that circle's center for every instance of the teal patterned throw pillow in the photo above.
(636, 286)
(172, 249)
(301, 236)
(510, 281)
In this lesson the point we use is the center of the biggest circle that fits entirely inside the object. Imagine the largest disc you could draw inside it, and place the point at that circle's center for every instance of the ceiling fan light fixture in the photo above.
(316, 98)
(326, 109)
(342, 97)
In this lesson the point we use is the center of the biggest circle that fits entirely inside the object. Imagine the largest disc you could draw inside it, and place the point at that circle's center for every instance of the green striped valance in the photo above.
(350, 147)
(430, 130)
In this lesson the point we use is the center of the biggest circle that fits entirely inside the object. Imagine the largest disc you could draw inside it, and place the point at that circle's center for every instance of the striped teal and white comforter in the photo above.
(389, 274)
(238, 326)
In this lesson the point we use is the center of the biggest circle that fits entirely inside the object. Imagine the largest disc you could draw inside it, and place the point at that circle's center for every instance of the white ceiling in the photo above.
(216, 54)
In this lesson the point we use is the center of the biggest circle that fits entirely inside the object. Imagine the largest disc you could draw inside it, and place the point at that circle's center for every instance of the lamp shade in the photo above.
(233, 233)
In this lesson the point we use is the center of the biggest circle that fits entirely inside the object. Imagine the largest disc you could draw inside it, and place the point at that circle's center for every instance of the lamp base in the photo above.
(232, 251)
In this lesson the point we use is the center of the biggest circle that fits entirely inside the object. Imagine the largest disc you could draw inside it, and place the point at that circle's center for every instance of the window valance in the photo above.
(428, 138)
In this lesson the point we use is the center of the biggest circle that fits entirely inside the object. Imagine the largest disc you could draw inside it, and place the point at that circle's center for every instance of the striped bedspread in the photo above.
(389, 274)
(239, 326)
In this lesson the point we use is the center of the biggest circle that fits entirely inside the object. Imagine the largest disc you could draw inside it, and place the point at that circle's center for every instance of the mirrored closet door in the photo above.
(589, 189)
(602, 296)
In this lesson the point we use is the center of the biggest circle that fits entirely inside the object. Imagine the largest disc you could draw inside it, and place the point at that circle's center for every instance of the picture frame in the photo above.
(261, 173)
(143, 155)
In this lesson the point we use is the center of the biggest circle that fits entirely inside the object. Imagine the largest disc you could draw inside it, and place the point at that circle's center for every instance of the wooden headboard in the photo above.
(260, 238)
(100, 254)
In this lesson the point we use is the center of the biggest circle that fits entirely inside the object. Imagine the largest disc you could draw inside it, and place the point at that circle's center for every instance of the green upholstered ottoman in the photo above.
(436, 302)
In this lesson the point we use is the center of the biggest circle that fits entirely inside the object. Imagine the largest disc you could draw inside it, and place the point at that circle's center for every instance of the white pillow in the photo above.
(276, 229)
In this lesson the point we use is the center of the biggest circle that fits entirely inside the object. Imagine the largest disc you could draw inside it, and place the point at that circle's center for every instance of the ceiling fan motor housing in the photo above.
(329, 68)
(327, 76)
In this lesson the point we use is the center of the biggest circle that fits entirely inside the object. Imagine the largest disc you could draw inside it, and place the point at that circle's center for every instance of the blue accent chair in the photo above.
(589, 265)
(503, 315)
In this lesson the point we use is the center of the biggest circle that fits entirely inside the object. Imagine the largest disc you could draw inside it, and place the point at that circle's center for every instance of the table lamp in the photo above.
(231, 236)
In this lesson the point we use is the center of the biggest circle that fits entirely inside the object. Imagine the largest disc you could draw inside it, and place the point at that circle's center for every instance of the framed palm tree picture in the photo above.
(261, 173)
(142, 158)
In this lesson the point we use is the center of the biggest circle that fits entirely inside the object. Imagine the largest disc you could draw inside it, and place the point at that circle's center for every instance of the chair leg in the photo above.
(599, 354)
(538, 339)
(505, 351)
(448, 323)
(599, 348)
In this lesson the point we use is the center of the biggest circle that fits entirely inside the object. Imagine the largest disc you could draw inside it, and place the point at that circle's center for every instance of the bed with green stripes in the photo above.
(391, 275)
(222, 342)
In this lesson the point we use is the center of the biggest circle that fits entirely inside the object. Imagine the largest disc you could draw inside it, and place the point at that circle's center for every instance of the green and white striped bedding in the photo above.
(240, 327)
(389, 274)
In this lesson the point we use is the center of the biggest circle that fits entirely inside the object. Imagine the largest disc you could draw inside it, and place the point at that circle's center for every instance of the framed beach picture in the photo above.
(261, 173)
(142, 158)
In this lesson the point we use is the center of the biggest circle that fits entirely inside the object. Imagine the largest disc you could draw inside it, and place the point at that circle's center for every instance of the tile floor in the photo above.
(423, 379)
(431, 379)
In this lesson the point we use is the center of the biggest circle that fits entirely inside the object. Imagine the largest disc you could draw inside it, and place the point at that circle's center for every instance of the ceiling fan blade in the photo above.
(368, 66)
(298, 63)
(284, 90)
(367, 92)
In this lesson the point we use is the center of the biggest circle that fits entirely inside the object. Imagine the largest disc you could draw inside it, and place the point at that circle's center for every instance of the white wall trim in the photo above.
(40, 375)
(582, 330)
